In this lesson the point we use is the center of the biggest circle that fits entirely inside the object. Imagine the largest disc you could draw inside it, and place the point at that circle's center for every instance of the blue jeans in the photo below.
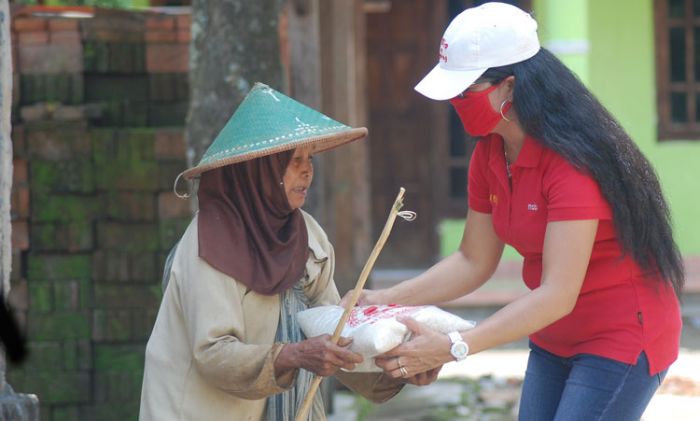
(585, 387)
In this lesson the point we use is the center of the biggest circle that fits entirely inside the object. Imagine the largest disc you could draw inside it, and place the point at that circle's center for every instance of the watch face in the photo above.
(459, 350)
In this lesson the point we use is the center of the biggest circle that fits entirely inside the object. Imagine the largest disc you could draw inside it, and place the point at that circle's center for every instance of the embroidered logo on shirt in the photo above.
(532, 207)
(493, 199)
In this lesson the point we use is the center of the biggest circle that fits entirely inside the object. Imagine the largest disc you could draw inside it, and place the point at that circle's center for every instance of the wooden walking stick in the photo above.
(303, 413)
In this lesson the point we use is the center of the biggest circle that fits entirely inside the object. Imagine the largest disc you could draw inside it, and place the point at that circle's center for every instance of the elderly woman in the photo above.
(225, 344)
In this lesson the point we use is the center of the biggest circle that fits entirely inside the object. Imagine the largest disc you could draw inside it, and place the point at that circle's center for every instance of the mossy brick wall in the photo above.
(98, 141)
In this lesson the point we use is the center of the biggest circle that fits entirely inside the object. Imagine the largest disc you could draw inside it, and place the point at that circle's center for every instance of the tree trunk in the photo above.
(235, 43)
(345, 189)
(327, 72)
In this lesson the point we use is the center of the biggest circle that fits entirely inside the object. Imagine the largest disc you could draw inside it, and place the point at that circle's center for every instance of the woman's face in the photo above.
(504, 92)
(297, 178)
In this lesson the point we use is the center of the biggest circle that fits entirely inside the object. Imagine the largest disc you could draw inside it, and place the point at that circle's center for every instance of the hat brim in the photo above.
(318, 144)
(441, 84)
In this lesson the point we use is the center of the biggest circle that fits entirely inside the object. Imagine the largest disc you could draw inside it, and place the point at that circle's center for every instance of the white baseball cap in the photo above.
(490, 35)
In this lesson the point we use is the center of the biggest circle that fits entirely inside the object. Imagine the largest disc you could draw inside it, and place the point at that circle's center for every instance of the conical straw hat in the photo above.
(268, 122)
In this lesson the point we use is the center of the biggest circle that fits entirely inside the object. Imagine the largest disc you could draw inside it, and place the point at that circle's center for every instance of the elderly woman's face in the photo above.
(297, 178)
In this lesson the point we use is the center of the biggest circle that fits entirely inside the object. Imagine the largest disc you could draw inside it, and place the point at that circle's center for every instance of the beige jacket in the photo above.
(210, 355)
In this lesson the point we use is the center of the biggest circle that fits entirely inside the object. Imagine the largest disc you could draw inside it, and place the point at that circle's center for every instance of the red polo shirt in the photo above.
(619, 312)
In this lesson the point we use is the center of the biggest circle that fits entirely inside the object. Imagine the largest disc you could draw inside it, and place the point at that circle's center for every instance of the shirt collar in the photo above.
(529, 156)
(530, 153)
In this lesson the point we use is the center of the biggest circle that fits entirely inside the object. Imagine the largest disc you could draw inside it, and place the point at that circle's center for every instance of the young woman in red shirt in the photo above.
(555, 176)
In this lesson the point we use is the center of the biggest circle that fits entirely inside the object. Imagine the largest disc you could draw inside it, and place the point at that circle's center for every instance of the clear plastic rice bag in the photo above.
(374, 328)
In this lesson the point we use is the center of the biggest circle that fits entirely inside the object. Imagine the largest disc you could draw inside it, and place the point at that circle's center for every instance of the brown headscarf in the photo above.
(247, 229)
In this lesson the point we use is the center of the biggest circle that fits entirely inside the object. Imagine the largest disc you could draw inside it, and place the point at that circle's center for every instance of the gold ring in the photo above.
(398, 361)
(403, 371)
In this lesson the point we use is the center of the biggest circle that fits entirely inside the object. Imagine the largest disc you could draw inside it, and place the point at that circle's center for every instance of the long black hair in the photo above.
(554, 107)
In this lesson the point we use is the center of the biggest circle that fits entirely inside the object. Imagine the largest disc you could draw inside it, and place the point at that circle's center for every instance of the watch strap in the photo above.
(455, 337)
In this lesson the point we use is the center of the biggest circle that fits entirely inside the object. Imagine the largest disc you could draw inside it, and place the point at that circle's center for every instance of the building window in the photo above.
(677, 25)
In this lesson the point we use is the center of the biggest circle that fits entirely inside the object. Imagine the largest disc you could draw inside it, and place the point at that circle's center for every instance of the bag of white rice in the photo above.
(374, 328)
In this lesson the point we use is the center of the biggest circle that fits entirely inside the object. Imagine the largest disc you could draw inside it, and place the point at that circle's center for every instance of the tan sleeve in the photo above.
(321, 289)
(212, 312)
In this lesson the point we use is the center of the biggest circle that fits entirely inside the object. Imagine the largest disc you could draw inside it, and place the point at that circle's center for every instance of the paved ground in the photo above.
(486, 386)
(678, 399)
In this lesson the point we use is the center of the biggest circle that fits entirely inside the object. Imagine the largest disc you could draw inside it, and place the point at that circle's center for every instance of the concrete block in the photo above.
(58, 267)
(67, 295)
(167, 58)
(120, 296)
(72, 237)
(169, 145)
(67, 37)
(58, 326)
(50, 58)
(160, 23)
(172, 207)
(62, 24)
(29, 24)
(135, 237)
(111, 325)
(20, 235)
(58, 141)
(167, 114)
(155, 36)
(63, 207)
(40, 296)
(19, 203)
(32, 38)
(75, 176)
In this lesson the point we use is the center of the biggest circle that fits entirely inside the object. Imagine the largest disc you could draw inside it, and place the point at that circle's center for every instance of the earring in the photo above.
(501, 110)
(282, 183)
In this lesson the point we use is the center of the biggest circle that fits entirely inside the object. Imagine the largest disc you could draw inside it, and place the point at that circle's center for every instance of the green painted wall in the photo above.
(619, 68)
(623, 76)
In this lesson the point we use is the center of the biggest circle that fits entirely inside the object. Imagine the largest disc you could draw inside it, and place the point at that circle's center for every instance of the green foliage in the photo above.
(363, 407)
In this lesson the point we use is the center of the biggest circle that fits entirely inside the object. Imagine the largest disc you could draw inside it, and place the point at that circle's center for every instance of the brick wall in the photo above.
(99, 105)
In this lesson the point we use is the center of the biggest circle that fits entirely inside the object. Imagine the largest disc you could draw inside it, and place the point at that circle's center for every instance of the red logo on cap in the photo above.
(442, 55)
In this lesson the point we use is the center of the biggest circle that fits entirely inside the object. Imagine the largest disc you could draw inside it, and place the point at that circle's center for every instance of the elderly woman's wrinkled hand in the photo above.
(367, 297)
(425, 378)
(318, 355)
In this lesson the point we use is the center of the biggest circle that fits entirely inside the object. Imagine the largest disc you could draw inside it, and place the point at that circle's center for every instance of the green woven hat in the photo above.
(268, 122)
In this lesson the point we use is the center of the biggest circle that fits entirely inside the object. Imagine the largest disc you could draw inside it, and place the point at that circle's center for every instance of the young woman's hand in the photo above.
(318, 355)
(427, 350)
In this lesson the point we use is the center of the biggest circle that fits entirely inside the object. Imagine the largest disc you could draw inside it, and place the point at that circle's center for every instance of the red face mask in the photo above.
(475, 110)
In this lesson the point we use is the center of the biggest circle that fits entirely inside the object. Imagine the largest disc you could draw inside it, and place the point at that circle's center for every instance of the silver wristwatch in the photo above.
(459, 348)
